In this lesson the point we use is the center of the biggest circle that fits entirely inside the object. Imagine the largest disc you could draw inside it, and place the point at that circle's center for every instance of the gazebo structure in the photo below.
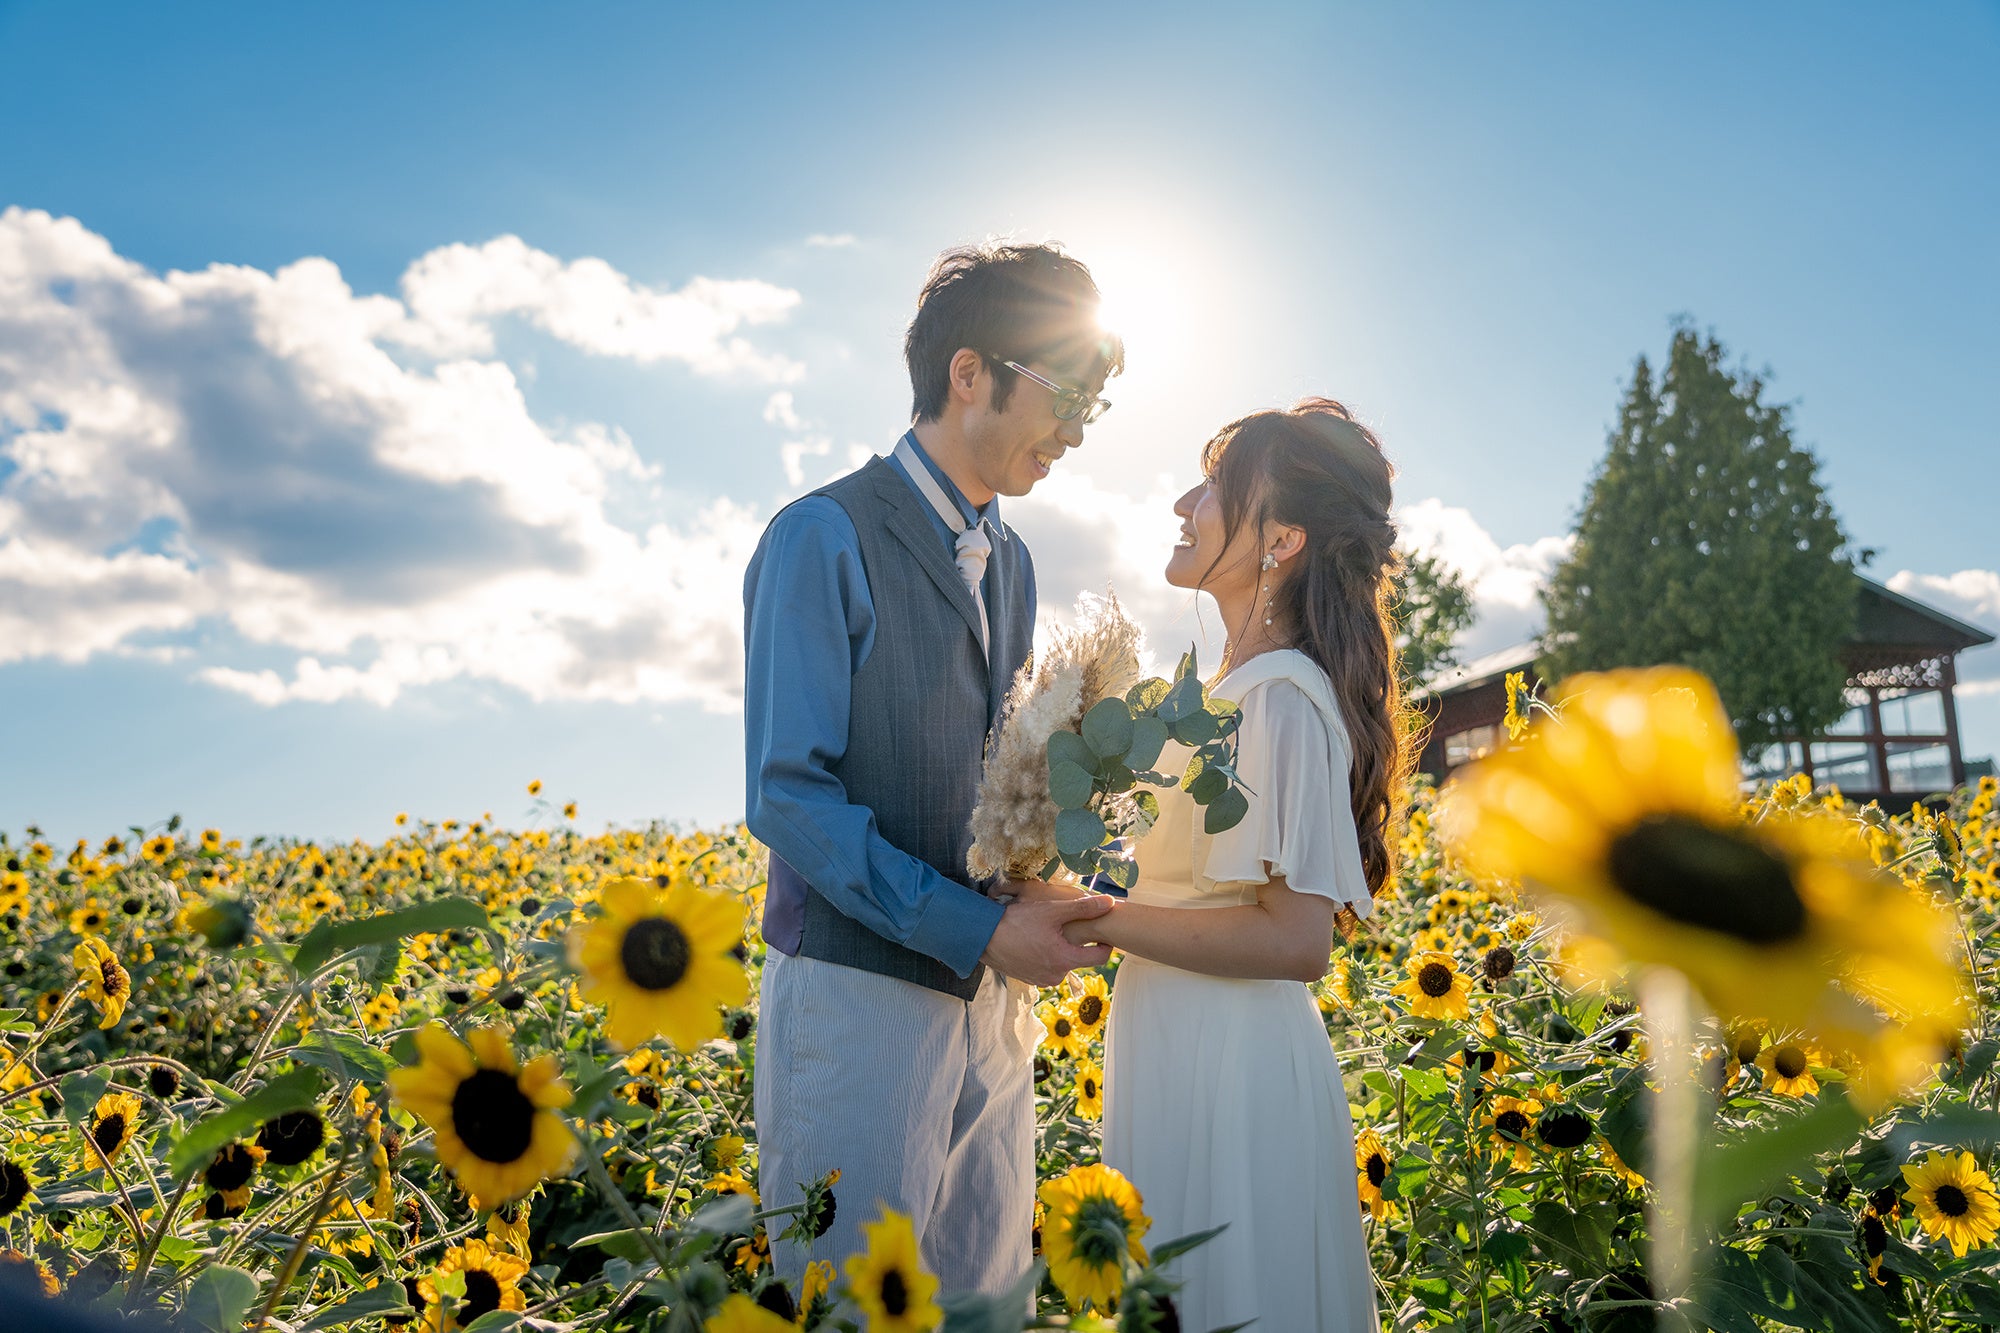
(1898, 741)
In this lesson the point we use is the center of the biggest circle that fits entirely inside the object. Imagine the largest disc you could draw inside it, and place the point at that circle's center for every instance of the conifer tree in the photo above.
(1705, 539)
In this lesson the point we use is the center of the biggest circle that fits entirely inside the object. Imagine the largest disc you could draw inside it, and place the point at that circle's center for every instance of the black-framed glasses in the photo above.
(1070, 403)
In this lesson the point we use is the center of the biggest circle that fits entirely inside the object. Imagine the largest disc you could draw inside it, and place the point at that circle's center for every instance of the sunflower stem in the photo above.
(1667, 1002)
(594, 1166)
(297, 1257)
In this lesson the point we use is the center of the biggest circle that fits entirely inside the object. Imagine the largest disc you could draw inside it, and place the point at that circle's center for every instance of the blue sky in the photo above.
(500, 518)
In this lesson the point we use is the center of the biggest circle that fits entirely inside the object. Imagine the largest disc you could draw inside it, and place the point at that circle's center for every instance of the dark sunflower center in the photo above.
(1089, 1089)
(1089, 1010)
(109, 1132)
(231, 1169)
(1062, 1027)
(1378, 1169)
(1790, 1061)
(1874, 1236)
(482, 1295)
(1951, 1201)
(654, 954)
(117, 983)
(13, 1187)
(1512, 1122)
(1747, 1046)
(292, 1137)
(1434, 980)
(1710, 878)
(895, 1294)
(493, 1117)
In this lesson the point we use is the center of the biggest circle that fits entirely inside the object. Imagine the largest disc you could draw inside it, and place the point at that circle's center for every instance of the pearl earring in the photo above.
(1269, 563)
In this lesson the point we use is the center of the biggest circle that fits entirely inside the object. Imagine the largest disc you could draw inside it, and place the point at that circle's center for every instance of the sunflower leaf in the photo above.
(1726, 1177)
(327, 939)
(218, 1299)
(296, 1091)
(1180, 1245)
(384, 1298)
(972, 1312)
(727, 1216)
(80, 1093)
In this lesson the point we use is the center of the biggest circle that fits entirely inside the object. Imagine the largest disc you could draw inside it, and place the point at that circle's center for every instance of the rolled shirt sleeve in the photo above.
(809, 624)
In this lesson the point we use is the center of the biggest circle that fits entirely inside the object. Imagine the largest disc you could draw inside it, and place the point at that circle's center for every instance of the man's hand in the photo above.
(1028, 943)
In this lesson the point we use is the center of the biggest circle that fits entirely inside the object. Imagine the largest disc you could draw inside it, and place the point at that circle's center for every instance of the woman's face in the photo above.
(1194, 562)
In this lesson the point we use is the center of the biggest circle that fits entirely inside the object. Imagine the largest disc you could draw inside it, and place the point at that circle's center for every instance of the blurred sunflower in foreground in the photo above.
(660, 960)
(1091, 1223)
(887, 1281)
(494, 1118)
(1625, 808)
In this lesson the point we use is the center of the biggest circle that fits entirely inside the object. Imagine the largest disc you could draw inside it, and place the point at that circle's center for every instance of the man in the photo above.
(885, 617)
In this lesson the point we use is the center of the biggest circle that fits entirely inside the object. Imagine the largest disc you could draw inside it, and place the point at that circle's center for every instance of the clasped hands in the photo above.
(1045, 932)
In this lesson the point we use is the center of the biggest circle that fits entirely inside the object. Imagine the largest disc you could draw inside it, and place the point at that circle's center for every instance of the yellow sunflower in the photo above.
(494, 1118)
(1626, 811)
(887, 1282)
(106, 984)
(1091, 1225)
(1513, 1122)
(1089, 1090)
(741, 1314)
(1371, 1167)
(17, 1187)
(1091, 1006)
(817, 1282)
(661, 961)
(1788, 1068)
(1954, 1200)
(507, 1229)
(113, 1121)
(230, 1172)
(1435, 987)
(28, 1270)
(90, 918)
(1059, 1032)
(492, 1281)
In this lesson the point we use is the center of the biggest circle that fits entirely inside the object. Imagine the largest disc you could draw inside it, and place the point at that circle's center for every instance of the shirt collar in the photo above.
(990, 514)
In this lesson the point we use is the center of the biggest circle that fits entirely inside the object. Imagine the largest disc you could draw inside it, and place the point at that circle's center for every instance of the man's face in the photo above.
(1016, 446)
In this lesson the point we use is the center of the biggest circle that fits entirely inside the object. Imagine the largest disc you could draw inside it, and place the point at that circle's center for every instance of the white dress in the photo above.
(1223, 1099)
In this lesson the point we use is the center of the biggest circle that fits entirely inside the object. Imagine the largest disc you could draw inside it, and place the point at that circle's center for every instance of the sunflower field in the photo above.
(472, 1077)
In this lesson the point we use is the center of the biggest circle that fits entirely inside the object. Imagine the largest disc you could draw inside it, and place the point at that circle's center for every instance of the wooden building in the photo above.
(1897, 742)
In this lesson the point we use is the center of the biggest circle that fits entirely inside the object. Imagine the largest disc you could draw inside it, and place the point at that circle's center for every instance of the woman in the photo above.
(1223, 1100)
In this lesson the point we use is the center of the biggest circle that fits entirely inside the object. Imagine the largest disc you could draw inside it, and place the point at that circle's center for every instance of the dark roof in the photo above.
(1885, 619)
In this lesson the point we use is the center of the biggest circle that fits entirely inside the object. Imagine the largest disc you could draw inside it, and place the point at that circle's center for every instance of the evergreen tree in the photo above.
(1706, 540)
(1432, 608)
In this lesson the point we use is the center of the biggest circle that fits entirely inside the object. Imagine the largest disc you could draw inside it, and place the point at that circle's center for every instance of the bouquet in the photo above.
(1079, 736)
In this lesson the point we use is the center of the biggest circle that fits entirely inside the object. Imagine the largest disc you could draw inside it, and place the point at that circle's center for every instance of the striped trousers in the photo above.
(924, 1103)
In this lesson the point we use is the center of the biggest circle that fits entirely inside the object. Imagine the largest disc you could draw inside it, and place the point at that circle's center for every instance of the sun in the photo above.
(1144, 301)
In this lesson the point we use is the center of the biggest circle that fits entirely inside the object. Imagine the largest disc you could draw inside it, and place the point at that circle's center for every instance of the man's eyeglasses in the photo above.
(1070, 403)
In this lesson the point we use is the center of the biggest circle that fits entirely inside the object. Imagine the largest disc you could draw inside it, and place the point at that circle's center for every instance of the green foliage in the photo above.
(1432, 606)
(1706, 539)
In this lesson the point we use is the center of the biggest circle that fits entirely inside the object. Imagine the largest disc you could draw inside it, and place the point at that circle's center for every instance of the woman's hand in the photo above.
(1097, 930)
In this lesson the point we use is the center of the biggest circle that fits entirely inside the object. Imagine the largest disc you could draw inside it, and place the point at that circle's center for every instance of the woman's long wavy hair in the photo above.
(1314, 467)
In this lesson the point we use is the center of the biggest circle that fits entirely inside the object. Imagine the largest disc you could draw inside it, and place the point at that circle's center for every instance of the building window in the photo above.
(1465, 746)
(1919, 767)
(1776, 761)
(1912, 713)
(1854, 722)
(1847, 764)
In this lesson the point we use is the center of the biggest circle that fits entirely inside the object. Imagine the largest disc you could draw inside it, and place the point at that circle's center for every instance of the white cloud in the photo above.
(1972, 595)
(780, 410)
(794, 453)
(1506, 582)
(236, 454)
(834, 241)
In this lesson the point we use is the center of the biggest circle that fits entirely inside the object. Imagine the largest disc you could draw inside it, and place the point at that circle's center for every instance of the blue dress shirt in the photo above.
(809, 625)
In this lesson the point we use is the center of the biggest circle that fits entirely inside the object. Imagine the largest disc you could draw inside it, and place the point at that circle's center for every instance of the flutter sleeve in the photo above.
(1293, 763)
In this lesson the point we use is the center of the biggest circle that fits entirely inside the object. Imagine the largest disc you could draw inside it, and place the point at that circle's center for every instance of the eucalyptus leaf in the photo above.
(1070, 787)
(1121, 872)
(1187, 667)
(1149, 807)
(1146, 695)
(1116, 777)
(1107, 728)
(1197, 728)
(1078, 831)
(1225, 811)
(1149, 737)
(1068, 745)
(1208, 784)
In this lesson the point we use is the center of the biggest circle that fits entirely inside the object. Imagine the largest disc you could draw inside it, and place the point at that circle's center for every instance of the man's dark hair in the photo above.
(1007, 302)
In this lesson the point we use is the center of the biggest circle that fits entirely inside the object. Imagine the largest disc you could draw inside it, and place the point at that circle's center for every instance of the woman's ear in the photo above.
(1284, 541)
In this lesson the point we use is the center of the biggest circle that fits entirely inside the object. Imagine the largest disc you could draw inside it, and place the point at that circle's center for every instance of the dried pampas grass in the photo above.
(1014, 824)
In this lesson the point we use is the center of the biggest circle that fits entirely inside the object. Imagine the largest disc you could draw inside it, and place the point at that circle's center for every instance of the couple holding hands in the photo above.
(886, 615)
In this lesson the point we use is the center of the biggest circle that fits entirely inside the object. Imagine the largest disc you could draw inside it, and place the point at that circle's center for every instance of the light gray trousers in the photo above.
(923, 1102)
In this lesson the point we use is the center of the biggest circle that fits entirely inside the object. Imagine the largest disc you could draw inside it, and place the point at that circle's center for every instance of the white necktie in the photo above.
(972, 546)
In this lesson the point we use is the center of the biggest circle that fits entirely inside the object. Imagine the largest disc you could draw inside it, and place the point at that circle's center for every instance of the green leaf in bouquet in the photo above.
(1067, 745)
(1082, 865)
(1054, 864)
(1116, 777)
(1197, 728)
(1121, 872)
(1149, 807)
(1187, 667)
(1146, 695)
(1107, 728)
(1070, 787)
(1078, 831)
(1225, 811)
(1208, 784)
(1182, 699)
(1149, 737)
(1197, 762)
